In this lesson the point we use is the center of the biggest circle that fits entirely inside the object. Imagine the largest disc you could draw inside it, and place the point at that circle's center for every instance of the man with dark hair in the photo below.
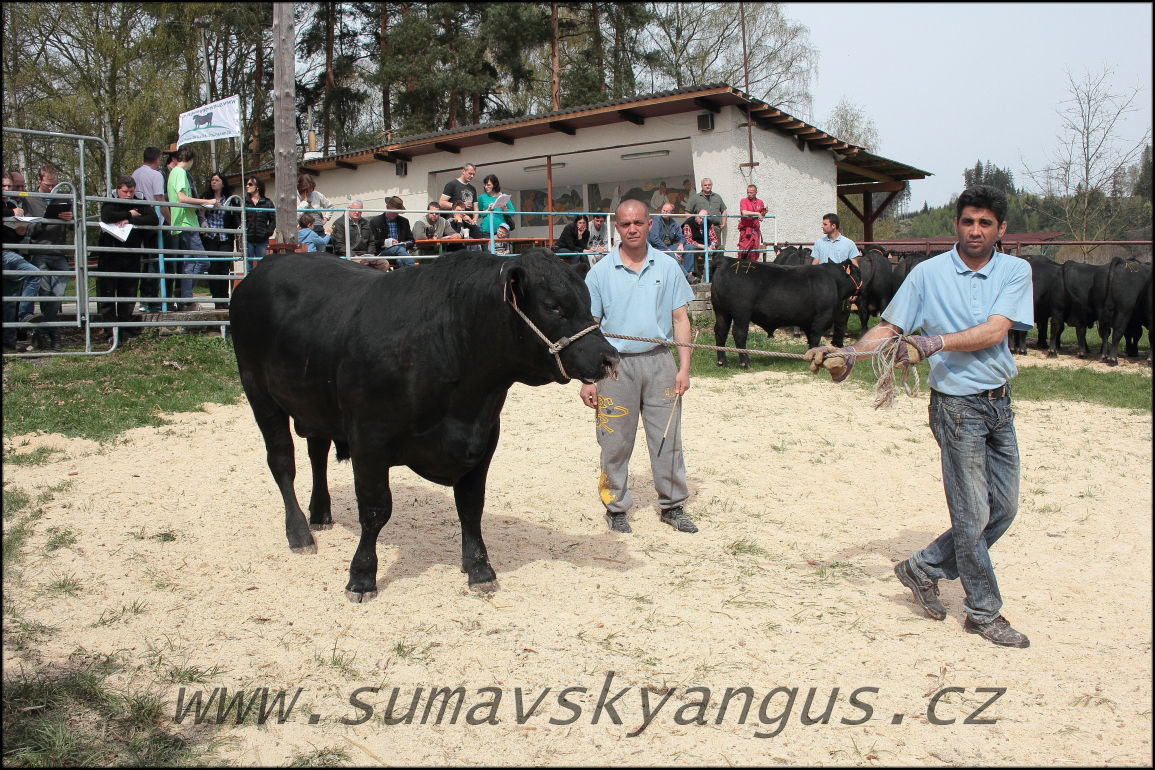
(460, 190)
(150, 184)
(430, 227)
(835, 247)
(966, 300)
(180, 190)
(131, 209)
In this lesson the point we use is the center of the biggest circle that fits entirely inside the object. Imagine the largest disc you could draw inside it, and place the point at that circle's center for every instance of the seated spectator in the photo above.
(666, 235)
(26, 286)
(308, 198)
(389, 234)
(433, 226)
(464, 226)
(696, 240)
(359, 232)
(495, 224)
(573, 242)
(308, 236)
(599, 234)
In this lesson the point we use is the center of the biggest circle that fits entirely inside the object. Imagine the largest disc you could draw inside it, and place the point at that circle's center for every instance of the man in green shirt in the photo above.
(179, 190)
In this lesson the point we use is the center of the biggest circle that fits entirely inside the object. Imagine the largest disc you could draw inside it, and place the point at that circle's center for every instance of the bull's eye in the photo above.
(556, 308)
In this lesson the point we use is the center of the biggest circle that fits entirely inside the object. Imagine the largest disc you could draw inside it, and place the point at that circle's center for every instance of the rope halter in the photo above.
(554, 347)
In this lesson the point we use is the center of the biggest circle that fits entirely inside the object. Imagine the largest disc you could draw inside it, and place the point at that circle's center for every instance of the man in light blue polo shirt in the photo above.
(966, 300)
(833, 246)
(638, 291)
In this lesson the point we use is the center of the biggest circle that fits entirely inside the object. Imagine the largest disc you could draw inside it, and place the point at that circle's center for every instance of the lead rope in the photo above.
(554, 347)
(885, 359)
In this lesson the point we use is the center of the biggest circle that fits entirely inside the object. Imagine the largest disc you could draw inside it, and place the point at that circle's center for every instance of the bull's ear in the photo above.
(582, 268)
(515, 284)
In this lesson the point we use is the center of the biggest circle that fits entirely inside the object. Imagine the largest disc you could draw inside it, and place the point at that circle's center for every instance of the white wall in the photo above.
(797, 186)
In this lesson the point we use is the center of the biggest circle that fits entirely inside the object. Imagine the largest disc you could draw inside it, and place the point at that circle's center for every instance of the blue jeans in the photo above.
(256, 253)
(26, 286)
(194, 264)
(980, 473)
(51, 285)
(397, 251)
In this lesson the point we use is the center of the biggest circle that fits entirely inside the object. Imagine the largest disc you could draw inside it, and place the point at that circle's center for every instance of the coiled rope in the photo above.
(884, 360)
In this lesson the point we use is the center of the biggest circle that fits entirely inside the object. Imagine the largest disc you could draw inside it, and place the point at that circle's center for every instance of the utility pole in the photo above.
(284, 109)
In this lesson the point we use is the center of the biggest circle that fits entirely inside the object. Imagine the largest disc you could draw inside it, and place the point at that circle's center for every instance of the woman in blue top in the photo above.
(494, 223)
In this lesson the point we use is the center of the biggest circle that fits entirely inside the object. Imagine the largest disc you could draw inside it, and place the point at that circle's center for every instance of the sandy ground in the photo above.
(806, 498)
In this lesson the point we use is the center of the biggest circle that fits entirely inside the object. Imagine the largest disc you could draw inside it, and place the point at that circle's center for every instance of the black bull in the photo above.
(774, 296)
(404, 368)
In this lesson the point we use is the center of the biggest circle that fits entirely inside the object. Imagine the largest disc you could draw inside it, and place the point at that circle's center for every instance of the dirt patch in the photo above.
(806, 497)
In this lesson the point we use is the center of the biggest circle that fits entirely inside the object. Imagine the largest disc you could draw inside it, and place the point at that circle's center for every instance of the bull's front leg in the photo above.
(374, 507)
(469, 494)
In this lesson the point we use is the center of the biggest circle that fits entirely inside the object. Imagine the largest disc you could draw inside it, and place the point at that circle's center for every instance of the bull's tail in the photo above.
(1109, 299)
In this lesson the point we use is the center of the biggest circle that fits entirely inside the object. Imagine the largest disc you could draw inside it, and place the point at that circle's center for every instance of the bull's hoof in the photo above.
(488, 587)
(1080, 355)
(1052, 354)
(320, 526)
(311, 548)
(744, 365)
(1110, 362)
(720, 363)
(358, 597)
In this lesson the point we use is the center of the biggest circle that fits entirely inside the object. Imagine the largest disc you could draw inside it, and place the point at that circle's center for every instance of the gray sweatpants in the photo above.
(645, 386)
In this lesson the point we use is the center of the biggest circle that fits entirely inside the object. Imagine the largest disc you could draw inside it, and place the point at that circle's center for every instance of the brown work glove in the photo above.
(917, 348)
(837, 361)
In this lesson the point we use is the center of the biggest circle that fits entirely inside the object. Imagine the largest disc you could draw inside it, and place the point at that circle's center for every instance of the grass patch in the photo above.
(71, 716)
(59, 538)
(39, 456)
(324, 757)
(99, 397)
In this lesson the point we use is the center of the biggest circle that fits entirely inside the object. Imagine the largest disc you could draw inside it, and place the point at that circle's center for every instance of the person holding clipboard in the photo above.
(57, 216)
(495, 224)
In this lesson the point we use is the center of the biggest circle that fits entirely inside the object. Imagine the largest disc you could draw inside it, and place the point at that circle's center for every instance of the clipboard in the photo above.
(56, 208)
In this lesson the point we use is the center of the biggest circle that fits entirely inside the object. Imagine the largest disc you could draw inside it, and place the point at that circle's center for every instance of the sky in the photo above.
(948, 84)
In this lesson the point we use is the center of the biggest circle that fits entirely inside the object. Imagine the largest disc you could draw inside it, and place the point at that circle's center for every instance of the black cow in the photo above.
(1127, 306)
(409, 367)
(1047, 285)
(878, 285)
(792, 255)
(906, 263)
(773, 296)
(1080, 304)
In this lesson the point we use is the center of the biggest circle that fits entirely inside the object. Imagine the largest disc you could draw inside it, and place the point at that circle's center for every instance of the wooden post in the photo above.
(549, 196)
(284, 109)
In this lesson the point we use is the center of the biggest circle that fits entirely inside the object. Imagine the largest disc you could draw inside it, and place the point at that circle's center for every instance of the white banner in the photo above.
(219, 120)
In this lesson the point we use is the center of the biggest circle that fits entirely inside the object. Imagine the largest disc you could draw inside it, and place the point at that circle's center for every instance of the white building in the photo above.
(589, 157)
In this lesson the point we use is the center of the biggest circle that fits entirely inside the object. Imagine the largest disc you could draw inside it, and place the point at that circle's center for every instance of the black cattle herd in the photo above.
(1115, 297)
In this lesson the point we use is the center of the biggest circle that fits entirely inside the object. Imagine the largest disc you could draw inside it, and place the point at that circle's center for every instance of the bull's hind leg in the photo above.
(741, 331)
(374, 508)
(320, 505)
(274, 425)
(469, 494)
(721, 332)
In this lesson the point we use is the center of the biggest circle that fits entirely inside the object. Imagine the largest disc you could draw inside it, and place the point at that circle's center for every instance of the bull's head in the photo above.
(553, 302)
